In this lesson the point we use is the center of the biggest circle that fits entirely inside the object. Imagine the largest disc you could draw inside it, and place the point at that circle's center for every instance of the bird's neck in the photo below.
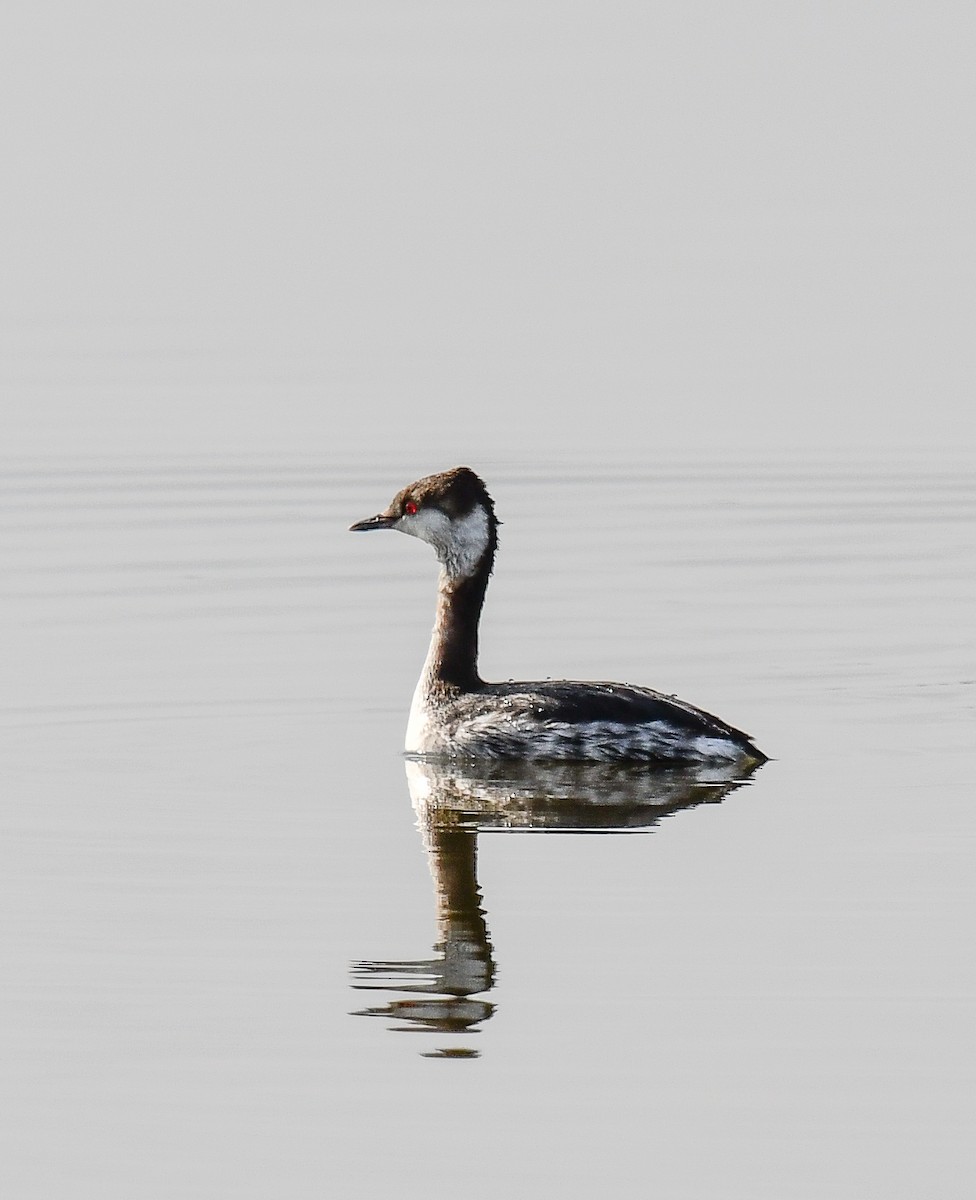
(452, 660)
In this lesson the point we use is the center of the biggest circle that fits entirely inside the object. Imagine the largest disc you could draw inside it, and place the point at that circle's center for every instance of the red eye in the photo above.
(410, 508)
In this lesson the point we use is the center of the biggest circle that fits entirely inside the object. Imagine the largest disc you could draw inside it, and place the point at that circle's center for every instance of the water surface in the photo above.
(215, 860)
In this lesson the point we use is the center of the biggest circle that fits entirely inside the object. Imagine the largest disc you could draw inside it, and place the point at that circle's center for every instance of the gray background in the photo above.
(458, 227)
(692, 286)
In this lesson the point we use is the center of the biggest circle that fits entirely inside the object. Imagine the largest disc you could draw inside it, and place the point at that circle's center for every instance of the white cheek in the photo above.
(429, 524)
(459, 544)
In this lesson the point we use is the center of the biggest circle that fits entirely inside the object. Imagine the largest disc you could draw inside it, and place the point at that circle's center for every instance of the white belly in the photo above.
(418, 726)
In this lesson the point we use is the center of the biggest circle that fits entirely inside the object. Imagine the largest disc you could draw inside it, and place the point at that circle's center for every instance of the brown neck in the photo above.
(453, 658)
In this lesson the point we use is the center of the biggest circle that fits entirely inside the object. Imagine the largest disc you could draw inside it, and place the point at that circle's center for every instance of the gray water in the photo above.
(245, 955)
(693, 287)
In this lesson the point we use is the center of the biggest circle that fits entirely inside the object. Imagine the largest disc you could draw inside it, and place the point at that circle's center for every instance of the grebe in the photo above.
(455, 714)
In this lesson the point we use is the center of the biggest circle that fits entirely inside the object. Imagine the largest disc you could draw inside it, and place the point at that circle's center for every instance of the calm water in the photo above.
(249, 952)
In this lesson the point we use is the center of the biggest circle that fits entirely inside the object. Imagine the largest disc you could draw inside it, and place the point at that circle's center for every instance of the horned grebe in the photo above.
(455, 714)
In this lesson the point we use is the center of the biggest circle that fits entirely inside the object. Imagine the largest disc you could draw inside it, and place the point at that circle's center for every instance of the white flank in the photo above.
(513, 732)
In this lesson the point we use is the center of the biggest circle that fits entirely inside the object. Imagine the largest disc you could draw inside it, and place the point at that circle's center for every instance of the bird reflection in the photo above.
(462, 965)
(455, 801)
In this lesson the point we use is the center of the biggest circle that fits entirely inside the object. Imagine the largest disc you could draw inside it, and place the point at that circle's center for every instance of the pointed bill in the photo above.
(383, 520)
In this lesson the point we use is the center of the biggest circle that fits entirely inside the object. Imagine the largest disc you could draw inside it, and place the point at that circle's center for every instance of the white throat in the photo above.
(460, 544)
